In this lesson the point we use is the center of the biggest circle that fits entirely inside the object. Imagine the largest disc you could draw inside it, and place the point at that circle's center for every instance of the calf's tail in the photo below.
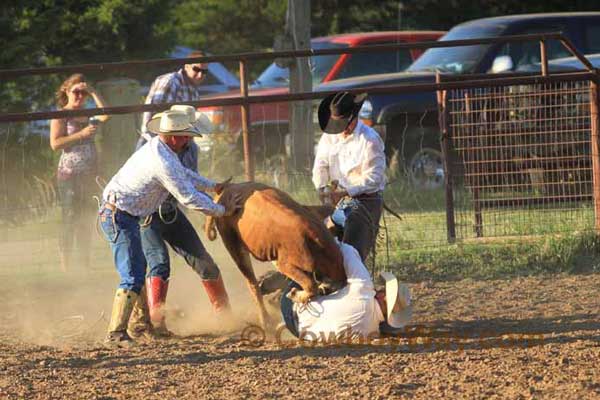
(209, 228)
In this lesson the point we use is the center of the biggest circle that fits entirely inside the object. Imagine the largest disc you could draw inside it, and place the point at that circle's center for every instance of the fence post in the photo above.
(248, 161)
(594, 126)
(543, 58)
(474, 182)
(442, 101)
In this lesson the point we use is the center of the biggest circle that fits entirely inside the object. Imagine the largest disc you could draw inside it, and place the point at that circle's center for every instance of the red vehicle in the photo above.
(269, 121)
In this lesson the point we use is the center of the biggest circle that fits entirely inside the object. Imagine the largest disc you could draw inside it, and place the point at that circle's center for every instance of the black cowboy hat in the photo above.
(338, 110)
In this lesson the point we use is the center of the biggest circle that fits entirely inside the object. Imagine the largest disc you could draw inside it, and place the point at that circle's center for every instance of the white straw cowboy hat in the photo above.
(196, 118)
(173, 123)
(397, 297)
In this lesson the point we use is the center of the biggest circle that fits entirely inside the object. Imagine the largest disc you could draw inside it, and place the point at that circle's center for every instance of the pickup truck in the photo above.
(409, 122)
(269, 121)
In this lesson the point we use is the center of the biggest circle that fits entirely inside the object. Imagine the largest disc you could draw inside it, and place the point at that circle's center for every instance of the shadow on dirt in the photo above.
(451, 336)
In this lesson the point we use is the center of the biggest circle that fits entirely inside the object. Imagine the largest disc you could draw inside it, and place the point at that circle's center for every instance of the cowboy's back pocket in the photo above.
(108, 225)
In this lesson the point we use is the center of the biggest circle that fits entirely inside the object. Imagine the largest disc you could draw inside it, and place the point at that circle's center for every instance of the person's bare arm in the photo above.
(100, 103)
(60, 140)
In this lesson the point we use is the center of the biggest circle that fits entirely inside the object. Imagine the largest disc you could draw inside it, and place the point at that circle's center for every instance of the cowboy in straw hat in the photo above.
(136, 191)
(198, 119)
(357, 311)
(168, 225)
(350, 163)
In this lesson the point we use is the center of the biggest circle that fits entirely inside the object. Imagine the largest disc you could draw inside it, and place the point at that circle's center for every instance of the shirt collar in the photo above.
(185, 79)
(164, 145)
(354, 133)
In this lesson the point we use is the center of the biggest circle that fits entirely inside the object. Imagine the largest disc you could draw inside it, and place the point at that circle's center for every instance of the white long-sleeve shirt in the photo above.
(351, 312)
(357, 162)
(150, 174)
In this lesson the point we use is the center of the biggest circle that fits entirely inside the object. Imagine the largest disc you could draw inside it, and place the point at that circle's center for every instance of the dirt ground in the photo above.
(535, 337)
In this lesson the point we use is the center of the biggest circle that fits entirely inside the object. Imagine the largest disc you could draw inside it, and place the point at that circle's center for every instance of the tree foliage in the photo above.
(47, 32)
(54, 32)
(229, 26)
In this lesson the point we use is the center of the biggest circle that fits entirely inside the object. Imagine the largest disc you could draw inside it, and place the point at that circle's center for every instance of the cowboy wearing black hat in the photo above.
(351, 156)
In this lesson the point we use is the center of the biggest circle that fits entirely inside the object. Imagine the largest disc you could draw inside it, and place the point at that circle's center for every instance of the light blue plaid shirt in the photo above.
(150, 174)
(173, 87)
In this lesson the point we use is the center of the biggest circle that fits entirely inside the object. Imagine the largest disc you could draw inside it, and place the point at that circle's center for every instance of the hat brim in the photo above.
(399, 318)
(203, 124)
(154, 123)
(153, 126)
(331, 125)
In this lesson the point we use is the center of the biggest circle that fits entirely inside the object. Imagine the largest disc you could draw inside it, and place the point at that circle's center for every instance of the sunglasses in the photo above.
(78, 92)
(196, 68)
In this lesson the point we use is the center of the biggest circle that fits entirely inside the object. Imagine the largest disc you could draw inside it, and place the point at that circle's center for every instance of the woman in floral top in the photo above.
(77, 166)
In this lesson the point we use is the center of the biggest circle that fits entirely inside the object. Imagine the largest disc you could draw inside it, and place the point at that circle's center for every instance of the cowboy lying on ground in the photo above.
(356, 311)
(136, 191)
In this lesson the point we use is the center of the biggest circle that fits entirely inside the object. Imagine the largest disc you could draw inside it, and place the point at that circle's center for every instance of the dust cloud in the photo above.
(43, 305)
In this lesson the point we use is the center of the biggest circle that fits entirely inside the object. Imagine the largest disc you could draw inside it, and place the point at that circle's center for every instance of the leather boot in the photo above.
(121, 311)
(215, 289)
(157, 294)
(139, 323)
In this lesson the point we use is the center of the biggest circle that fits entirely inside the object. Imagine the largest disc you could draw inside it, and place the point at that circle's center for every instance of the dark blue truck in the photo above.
(408, 121)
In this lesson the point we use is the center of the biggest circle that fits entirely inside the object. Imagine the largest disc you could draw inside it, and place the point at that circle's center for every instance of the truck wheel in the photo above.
(426, 169)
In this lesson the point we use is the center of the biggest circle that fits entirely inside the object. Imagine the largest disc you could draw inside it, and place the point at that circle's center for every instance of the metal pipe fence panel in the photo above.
(520, 152)
(521, 159)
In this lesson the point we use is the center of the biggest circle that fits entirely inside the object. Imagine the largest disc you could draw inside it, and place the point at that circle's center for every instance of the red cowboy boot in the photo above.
(157, 289)
(215, 289)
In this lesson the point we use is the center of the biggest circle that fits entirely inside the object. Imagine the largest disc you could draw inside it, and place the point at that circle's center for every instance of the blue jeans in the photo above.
(287, 310)
(123, 234)
(362, 223)
(182, 237)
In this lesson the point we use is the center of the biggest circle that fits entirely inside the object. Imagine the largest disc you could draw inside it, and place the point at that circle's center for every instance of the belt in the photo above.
(364, 196)
(114, 209)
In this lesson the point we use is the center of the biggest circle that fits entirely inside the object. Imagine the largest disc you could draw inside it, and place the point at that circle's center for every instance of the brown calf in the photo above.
(273, 227)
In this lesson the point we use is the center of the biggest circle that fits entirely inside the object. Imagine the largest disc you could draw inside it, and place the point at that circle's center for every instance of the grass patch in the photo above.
(575, 254)
(417, 246)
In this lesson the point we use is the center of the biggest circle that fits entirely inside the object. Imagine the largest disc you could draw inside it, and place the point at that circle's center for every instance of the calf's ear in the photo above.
(221, 186)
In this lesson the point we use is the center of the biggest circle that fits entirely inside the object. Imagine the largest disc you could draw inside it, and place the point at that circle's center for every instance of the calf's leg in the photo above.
(302, 278)
(241, 257)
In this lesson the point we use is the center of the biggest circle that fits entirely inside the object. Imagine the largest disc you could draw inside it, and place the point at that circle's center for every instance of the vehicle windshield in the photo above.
(461, 59)
(275, 76)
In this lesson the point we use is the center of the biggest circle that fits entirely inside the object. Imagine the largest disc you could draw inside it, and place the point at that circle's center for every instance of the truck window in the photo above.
(592, 39)
(360, 64)
(460, 59)
(525, 53)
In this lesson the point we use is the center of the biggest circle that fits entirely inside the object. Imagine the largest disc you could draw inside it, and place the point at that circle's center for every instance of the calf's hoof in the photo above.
(328, 286)
(298, 296)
